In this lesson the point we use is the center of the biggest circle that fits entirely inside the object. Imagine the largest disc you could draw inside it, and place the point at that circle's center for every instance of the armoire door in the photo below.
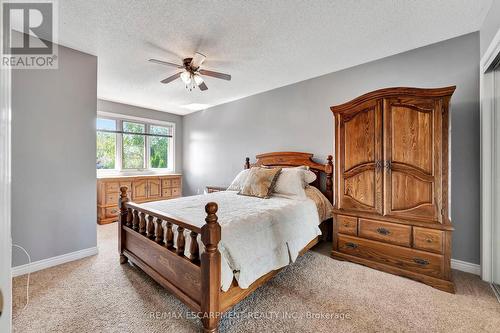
(412, 155)
(359, 149)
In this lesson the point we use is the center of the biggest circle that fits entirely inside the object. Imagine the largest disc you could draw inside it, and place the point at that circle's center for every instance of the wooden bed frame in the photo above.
(197, 283)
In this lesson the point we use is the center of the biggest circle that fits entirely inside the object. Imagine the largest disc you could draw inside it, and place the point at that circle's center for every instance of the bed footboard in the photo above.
(143, 241)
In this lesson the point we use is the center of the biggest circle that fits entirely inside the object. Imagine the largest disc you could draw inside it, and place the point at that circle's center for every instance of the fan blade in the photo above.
(197, 60)
(216, 74)
(161, 62)
(171, 78)
(202, 86)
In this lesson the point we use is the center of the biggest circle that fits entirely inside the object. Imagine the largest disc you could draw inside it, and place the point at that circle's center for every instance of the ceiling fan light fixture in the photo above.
(186, 77)
(198, 79)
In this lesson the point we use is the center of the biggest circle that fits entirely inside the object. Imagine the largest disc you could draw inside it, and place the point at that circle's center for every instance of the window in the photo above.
(106, 144)
(132, 144)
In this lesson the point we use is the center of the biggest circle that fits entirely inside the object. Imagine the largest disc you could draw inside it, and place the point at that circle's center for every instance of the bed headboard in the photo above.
(292, 159)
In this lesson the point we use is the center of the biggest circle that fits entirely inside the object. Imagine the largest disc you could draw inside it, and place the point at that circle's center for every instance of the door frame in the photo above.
(5, 185)
(490, 161)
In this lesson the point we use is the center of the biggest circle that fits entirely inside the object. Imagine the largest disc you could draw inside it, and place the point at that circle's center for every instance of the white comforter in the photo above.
(258, 235)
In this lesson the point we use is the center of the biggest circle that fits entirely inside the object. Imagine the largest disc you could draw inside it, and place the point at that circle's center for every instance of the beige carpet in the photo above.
(316, 294)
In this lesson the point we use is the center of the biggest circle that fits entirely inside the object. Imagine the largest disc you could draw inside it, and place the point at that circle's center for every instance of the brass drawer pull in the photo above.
(383, 231)
(351, 245)
(429, 240)
(421, 261)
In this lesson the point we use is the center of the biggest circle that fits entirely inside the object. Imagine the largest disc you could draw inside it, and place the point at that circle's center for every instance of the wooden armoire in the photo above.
(391, 183)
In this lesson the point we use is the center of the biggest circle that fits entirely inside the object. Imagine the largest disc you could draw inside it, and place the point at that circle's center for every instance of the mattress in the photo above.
(258, 235)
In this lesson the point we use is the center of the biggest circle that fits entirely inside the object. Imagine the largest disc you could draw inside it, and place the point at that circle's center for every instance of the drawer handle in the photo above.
(346, 224)
(351, 245)
(429, 240)
(383, 231)
(421, 261)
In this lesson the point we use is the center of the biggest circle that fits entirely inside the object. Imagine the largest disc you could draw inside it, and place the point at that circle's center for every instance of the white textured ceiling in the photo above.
(262, 44)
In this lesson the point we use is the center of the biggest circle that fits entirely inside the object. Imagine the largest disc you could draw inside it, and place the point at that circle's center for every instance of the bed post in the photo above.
(329, 177)
(210, 271)
(247, 163)
(122, 221)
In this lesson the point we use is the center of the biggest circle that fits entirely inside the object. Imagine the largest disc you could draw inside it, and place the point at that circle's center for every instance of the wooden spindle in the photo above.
(329, 177)
(159, 232)
(151, 227)
(124, 217)
(142, 223)
(193, 247)
(130, 217)
(181, 241)
(170, 236)
(135, 221)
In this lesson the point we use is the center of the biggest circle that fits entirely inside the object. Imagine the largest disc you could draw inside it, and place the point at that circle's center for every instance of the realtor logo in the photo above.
(29, 34)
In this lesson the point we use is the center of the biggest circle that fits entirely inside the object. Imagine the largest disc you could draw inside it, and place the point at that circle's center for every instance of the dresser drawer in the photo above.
(111, 212)
(347, 225)
(428, 239)
(166, 192)
(112, 187)
(166, 183)
(383, 231)
(176, 182)
(112, 198)
(176, 192)
(397, 256)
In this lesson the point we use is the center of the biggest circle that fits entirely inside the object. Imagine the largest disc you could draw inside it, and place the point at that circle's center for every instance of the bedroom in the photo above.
(412, 244)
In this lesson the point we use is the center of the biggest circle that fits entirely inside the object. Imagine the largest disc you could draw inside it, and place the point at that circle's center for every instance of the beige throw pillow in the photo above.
(260, 182)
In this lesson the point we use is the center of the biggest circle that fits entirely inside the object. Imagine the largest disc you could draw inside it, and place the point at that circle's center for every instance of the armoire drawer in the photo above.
(428, 239)
(413, 260)
(347, 225)
(386, 232)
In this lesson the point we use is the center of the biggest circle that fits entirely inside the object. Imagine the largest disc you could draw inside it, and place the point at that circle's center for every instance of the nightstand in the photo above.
(212, 189)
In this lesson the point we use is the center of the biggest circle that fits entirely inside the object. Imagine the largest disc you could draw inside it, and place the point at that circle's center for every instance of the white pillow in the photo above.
(291, 183)
(238, 182)
(309, 176)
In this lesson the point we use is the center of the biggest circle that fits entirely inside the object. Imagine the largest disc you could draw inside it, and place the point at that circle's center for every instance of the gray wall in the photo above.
(53, 157)
(490, 26)
(130, 110)
(297, 118)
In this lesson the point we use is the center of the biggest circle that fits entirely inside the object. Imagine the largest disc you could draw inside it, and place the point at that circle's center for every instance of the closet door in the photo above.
(359, 156)
(412, 155)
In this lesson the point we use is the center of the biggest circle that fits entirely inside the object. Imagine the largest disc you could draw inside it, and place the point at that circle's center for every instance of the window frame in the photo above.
(119, 170)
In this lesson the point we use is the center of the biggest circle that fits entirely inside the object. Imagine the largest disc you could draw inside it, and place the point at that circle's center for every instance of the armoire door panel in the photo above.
(360, 189)
(413, 128)
(359, 142)
(359, 139)
(412, 151)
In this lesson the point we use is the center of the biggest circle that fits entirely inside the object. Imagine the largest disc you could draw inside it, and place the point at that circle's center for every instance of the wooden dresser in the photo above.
(391, 183)
(141, 189)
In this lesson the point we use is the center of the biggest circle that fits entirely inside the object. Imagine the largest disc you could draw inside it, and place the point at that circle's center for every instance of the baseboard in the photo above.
(465, 266)
(54, 261)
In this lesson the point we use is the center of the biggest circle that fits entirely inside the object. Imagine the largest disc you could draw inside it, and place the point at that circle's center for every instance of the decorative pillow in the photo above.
(325, 208)
(291, 183)
(238, 182)
(260, 182)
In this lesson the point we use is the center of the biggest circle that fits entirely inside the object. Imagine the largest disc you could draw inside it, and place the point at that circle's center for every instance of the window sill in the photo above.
(111, 174)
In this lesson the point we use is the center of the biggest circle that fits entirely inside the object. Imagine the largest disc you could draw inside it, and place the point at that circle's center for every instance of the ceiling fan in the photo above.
(192, 73)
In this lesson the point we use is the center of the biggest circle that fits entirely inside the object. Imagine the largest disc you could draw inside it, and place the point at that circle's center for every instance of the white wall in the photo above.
(53, 157)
